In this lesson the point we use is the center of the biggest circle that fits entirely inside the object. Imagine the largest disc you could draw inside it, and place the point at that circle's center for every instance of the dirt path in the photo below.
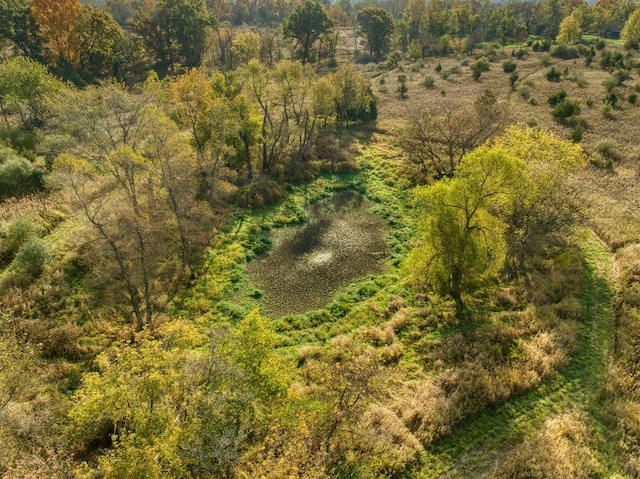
(473, 449)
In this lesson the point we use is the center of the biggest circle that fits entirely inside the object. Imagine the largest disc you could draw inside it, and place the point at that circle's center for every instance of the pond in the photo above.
(308, 263)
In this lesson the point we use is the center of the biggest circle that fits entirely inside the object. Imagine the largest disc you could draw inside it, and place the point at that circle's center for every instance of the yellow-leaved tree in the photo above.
(547, 205)
(462, 239)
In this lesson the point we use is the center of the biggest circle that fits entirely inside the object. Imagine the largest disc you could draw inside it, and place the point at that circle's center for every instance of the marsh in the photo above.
(309, 263)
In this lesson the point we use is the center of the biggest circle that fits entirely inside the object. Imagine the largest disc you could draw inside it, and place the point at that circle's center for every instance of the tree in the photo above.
(20, 28)
(586, 16)
(323, 102)
(631, 32)
(257, 77)
(58, 22)
(99, 36)
(293, 87)
(245, 46)
(208, 120)
(546, 204)
(612, 14)
(414, 17)
(570, 31)
(352, 94)
(122, 10)
(27, 90)
(377, 25)
(306, 24)
(178, 403)
(102, 119)
(188, 24)
(132, 178)
(437, 139)
(173, 31)
(553, 17)
(122, 203)
(462, 242)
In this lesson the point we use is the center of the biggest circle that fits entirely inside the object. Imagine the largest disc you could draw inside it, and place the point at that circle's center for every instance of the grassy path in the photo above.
(474, 447)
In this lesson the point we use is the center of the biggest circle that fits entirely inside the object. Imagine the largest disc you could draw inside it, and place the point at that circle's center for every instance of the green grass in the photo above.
(473, 447)
(223, 279)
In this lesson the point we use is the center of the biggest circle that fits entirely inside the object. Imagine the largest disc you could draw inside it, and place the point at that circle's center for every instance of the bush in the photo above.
(576, 134)
(18, 177)
(509, 66)
(402, 85)
(454, 70)
(513, 78)
(17, 233)
(519, 54)
(610, 84)
(611, 60)
(541, 45)
(565, 111)
(429, 82)
(580, 80)
(481, 65)
(632, 98)
(556, 98)
(607, 112)
(532, 122)
(32, 257)
(608, 150)
(24, 142)
(565, 52)
(553, 75)
(525, 92)
(611, 99)
(621, 75)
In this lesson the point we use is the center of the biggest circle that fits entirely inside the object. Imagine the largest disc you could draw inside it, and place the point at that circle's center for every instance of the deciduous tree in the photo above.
(546, 205)
(19, 26)
(352, 94)
(462, 243)
(377, 25)
(173, 31)
(631, 32)
(99, 36)
(58, 23)
(570, 31)
(306, 24)
(27, 90)
(437, 139)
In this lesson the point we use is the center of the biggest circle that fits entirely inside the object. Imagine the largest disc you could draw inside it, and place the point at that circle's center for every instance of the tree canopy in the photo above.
(377, 25)
(308, 21)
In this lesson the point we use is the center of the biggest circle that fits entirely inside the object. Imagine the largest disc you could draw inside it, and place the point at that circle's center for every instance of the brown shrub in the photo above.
(563, 449)
(55, 341)
(384, 445)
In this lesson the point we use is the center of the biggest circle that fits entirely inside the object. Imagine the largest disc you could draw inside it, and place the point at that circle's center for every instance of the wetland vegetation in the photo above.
(341, 241)
(328, 241)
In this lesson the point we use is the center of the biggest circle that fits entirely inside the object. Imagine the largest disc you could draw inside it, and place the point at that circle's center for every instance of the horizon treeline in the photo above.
(125, 39)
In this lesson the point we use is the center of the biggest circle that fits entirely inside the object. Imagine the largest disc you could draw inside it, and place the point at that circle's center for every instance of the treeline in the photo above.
(125, 39)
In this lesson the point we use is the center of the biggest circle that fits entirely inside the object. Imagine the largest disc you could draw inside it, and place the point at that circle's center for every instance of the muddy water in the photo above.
(309, 263)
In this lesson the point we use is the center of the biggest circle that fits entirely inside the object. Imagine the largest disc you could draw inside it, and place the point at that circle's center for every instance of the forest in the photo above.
(329, 240)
